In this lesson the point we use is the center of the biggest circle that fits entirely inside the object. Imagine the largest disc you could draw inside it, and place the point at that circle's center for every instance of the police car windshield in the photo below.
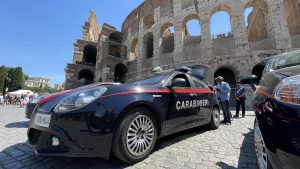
(286, 60)
(150, 79)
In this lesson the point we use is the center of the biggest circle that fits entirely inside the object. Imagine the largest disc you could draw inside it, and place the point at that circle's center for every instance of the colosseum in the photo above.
(155, 34)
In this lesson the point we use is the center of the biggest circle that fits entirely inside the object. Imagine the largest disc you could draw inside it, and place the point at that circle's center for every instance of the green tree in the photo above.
(16, 79)
(3, 76)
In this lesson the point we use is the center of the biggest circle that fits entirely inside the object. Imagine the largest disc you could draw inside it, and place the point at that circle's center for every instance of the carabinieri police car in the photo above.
(125, 119)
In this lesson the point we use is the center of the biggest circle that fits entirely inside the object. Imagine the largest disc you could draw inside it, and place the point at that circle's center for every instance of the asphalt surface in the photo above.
(229, 147)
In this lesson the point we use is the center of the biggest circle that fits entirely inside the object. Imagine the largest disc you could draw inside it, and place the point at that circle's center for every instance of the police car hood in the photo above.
(48, 103)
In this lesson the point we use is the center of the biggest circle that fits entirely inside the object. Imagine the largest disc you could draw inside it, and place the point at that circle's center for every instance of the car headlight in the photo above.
(79, 99)
(288, 91)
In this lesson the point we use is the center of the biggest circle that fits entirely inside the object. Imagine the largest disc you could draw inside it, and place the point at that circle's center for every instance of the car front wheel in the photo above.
(215, 119)
(135, 136)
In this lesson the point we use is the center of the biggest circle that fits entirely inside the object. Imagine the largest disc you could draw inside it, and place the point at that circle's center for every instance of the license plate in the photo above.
(42, 120)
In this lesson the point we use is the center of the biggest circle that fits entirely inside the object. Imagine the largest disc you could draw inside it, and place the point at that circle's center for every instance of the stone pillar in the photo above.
(206, 42)
(157, 52)
(239, 32)
(279, 25)
(178, 46)
(102, 54)
(141, 47)
(178, 36)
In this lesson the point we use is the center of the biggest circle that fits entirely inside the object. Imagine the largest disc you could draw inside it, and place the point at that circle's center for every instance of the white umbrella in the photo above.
(20, 93)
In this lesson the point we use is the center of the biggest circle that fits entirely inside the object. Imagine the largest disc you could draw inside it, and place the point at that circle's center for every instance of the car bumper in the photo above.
(280, 126)
(79, 135)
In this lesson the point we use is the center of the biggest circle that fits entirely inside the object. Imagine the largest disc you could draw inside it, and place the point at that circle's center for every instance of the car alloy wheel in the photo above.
(140, 135)
(216, 117)
(260, 148)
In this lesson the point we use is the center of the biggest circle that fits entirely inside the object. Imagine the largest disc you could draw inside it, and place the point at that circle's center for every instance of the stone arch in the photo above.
(228, 73)
(222, 8)
(116, 37)
(292, 13)
(148, 45)
(89, 54)
(230, 76)
(86, 77)
(148, 21)
(189, 37)
(114, 51)
(133, 49)
(185, 24)
(120, 73)
(167, 38)
(257, 28)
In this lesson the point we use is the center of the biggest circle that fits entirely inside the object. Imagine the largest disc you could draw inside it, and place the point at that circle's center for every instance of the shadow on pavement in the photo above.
(247, 154)
(22, 124)
(21, 156)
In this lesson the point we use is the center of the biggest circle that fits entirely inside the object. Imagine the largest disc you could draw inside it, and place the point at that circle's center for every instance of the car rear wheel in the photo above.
(260, 148)
(135, 136)
(215, 119)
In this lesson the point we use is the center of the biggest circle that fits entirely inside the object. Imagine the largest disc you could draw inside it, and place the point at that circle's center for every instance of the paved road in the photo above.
(229, 147)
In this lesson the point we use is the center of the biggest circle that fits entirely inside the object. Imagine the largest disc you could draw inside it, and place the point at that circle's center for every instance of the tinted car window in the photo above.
(198, 83)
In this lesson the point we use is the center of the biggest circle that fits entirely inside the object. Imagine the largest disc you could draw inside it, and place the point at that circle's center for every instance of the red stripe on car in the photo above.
(264, 93)
(198, 91)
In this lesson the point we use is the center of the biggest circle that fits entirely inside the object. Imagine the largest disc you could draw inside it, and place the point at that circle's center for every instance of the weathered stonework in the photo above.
(146, 40)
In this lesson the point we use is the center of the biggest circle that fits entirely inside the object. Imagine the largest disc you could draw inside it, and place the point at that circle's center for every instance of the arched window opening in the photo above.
(89, 55)
(86, 77)
(148, 45)
(192, 26)
(115, 51)
(229, 77)
(256, 14)
(220, 25)
(167, 38)
(247, 13)
(133, 50)
(292, 13)
(120, 73)
(148, 21)
(116, 37)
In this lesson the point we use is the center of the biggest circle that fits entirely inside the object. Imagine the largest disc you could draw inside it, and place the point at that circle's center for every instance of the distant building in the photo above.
(38, 82)
(59, 87)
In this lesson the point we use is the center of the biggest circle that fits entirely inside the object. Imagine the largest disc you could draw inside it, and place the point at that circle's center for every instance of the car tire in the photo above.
(135, 136)
(260, 149)
(215, 119)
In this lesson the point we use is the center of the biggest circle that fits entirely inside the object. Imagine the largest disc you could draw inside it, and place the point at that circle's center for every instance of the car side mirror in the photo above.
(179, 82)
(250, 80)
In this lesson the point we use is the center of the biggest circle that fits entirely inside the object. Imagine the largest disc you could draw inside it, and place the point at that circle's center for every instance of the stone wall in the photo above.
(154, 34)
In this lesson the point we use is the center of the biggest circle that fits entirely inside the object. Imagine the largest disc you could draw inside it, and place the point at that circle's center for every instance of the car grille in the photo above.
(34, 136)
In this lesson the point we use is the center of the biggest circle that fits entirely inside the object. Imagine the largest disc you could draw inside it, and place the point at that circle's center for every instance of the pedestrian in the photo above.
(223, 93)
(240, 94)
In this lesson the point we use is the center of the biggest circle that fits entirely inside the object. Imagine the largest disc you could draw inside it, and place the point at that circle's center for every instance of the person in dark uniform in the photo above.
(240, 94)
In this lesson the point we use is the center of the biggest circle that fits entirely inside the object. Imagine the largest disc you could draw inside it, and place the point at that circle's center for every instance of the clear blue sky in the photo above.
(38, 35)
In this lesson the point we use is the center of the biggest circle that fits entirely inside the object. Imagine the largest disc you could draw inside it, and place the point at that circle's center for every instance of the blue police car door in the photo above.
(181, 113)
